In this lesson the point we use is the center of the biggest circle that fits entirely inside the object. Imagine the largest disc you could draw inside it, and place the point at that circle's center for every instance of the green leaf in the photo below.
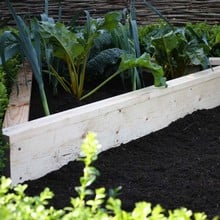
(134, 30)
(66, 45)
(104, 60)
(30, 51)
(130, 61)
(141, 210)
(166, 42)
(9, 46)
(111, 21)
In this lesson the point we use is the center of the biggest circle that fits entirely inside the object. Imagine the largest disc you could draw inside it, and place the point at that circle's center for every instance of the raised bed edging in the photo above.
(20, 97)
(46, 144)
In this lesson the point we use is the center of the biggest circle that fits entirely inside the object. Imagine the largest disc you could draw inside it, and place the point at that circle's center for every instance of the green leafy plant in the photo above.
(125, 37)
(3, 106)
(175, 49)
(15, 205)
(210, 34)
(6, 81)
(104, 63)
(74, 48)
(88, 204)
(27, 41)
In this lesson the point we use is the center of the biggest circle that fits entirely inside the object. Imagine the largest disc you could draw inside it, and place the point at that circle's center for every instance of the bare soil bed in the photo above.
(178, 166)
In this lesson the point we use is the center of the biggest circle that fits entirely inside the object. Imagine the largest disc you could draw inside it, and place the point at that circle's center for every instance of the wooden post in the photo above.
(19, 102)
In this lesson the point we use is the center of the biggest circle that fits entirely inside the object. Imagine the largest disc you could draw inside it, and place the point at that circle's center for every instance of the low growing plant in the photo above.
(88, 204)
(3, 106)
(6, 81)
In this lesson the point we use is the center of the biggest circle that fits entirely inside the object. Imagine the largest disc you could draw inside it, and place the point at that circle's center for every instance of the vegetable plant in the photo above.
(175, 48)
(27, 42)
(74, 48)
(210, 34)
(6, 80)
(125, 37)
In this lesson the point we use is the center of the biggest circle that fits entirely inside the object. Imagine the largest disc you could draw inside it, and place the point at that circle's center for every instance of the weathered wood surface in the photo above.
(214, 61)
(19, 102)
(176, 11)
(46, 144)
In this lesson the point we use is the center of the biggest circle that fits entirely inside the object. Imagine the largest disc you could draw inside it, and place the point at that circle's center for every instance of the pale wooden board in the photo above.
(214, 61)
(46, 144)
(19, 102)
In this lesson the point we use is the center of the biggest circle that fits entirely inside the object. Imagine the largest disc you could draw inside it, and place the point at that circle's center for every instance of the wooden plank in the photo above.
(19, 102)
(214, 61)
(43, 145)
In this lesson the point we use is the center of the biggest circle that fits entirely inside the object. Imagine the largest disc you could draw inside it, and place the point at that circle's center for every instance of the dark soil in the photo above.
(178, 166)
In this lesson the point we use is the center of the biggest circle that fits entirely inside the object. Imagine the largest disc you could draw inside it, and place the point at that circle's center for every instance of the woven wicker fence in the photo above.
(177, 12)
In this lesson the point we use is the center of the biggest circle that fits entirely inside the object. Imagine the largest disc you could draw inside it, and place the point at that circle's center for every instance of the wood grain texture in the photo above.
(214, 61)
(46, 144)
(19, 102)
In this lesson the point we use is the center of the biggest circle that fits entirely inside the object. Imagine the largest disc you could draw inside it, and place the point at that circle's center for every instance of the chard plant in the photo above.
(74, 48)
(175, 48)
(210, 34)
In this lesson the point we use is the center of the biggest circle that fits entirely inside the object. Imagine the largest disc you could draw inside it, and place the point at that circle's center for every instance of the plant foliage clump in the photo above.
(174, 48)
(6, 80)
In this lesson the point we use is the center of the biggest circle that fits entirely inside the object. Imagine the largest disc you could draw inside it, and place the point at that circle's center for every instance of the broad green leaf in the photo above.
(8, 46)
(105, 59)
(166, 42)
(130, 61)
(197, 56)
(64, 41)
(217, 38)
(111, 21)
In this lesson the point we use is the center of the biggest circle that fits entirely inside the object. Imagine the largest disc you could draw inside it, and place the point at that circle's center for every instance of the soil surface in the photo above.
(178, 166)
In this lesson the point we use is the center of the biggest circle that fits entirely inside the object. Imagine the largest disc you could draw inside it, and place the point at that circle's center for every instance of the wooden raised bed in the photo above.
(46, 144)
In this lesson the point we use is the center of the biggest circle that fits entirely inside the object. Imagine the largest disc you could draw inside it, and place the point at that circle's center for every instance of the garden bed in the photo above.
(178, 166)
(55, 140)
